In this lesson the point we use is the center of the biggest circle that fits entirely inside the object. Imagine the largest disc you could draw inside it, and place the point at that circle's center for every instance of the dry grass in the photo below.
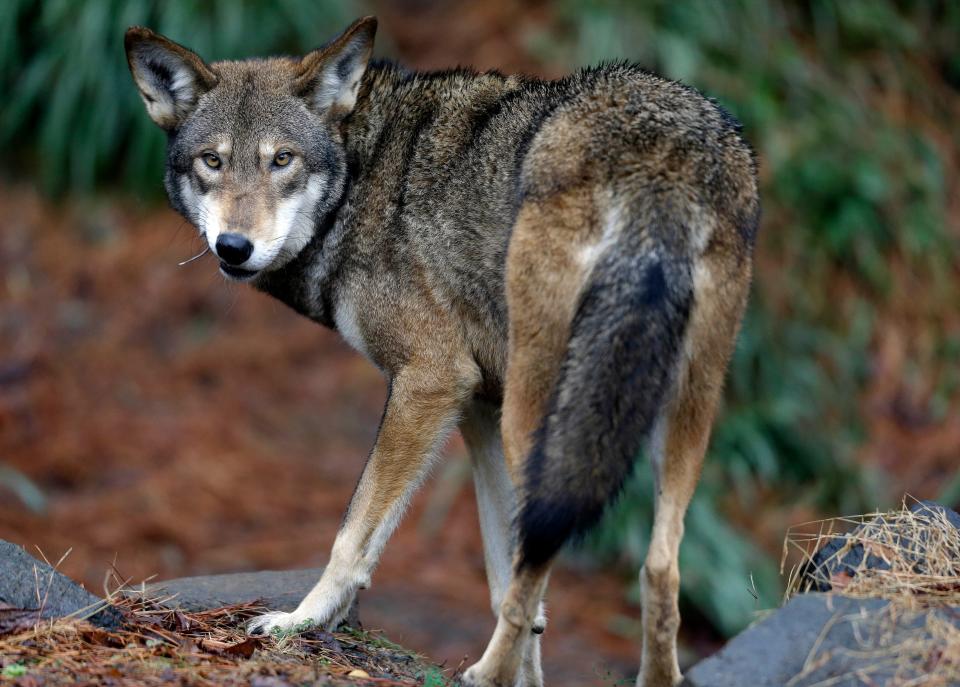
(914, 641)
(921, 550)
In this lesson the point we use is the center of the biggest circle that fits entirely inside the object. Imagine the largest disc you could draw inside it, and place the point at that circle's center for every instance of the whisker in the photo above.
(198, 255)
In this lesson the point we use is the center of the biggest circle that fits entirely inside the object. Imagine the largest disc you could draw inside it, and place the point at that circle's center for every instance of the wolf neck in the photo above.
(307, 283)
(387, 151)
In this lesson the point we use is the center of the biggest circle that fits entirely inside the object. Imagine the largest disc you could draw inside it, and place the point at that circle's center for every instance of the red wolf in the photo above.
(558, 268)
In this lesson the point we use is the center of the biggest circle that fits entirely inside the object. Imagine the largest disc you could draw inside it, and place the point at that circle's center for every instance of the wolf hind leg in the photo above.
(544, 278)
(496, 502)
(677, 454)
(496, 499)
(624, 338)
(677, 447)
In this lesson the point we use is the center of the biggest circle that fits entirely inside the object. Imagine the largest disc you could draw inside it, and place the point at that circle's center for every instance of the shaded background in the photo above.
(159, 419)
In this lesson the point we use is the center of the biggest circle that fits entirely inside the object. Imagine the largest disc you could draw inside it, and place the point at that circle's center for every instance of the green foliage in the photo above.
(372, 639)
(721, 568)
(434, 677)
(71, 116)
(850, 181)
(14, 670)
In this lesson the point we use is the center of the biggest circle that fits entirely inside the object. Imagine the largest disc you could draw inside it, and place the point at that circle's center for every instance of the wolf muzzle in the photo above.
(234, 249)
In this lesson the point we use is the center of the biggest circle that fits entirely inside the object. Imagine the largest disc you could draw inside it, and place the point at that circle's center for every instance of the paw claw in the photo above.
(278, 624)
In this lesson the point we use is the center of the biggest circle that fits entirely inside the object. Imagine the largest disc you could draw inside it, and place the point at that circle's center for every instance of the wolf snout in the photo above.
(234, 249)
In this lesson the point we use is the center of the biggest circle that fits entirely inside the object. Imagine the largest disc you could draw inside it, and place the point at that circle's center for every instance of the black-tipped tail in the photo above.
(624, 346)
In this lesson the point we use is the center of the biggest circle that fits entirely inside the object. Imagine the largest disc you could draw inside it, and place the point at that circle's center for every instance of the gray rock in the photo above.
(774, 651)
(59, 596)
(278, 590)
(932, 509)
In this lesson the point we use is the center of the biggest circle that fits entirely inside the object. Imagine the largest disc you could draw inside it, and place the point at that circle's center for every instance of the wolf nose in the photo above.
(233, 249)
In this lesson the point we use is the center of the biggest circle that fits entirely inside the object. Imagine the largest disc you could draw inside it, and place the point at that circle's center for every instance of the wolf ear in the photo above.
(171, 78)
(329, 78)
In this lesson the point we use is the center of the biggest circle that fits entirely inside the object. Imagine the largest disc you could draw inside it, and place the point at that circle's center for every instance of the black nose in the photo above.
(233, 249)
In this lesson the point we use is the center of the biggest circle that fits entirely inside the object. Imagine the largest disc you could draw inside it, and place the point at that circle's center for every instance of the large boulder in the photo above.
(819, 638)
(28, 583)
(822, 639)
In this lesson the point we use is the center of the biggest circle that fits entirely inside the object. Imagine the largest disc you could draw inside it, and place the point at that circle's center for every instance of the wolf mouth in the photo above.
(237, 272)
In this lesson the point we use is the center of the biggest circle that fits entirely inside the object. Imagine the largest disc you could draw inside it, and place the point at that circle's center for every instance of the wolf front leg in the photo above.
(423, 406)
(541, 304)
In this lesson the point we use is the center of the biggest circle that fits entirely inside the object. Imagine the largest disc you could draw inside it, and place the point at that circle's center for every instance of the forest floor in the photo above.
(156, 646)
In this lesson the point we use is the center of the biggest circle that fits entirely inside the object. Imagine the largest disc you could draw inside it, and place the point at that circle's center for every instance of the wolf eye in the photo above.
(211, 160)
(283, 158)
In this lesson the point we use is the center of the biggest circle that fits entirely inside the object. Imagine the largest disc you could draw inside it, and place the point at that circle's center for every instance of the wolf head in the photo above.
(255, 156)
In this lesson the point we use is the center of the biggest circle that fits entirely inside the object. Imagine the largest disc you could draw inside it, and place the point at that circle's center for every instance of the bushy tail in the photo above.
(625, 343)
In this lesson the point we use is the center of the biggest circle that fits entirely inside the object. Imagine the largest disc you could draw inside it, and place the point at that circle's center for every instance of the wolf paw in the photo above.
(474, 678)
(327, 614)
(477, 676)
(279, 624)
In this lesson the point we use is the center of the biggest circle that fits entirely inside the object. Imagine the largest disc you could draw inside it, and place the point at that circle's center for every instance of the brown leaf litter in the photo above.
(162, 646)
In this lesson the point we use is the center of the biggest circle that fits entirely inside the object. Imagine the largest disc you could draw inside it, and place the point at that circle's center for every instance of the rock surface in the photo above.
(776, 650)
(59, 596)
(20, 576)
(278, 590)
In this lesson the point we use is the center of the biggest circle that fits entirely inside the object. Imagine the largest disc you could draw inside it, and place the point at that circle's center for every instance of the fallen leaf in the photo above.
(841, 579)
(245, 648)
(212, 646)
(99, 637)
(357, 672)
(242, 649)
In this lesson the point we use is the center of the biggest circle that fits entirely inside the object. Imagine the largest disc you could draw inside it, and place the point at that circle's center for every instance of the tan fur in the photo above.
(543, 281)
(500, 664)
(497, 503)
